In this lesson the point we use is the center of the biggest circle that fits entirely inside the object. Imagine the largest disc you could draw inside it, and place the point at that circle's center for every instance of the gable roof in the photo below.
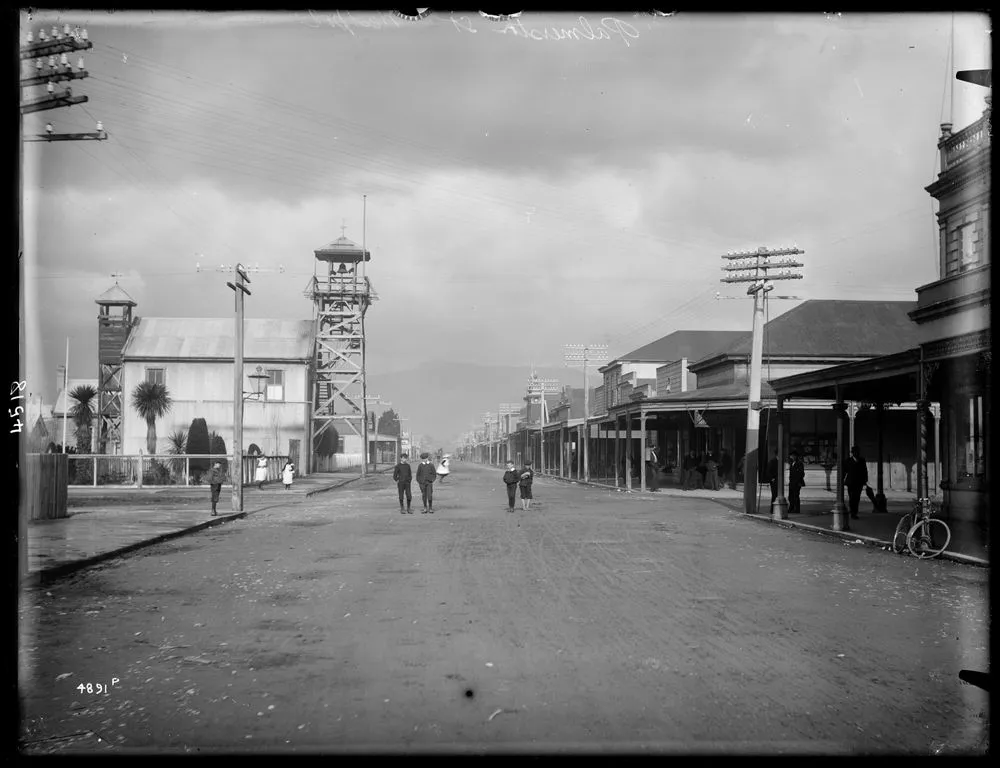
(693, 345)
(212, 338)
(830, 328)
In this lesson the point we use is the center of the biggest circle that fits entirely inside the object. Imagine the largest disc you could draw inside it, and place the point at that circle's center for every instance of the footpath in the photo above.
(969, 543)
(103, 523)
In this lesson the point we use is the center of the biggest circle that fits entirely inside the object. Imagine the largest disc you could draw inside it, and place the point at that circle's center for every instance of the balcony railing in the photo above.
(960, 145)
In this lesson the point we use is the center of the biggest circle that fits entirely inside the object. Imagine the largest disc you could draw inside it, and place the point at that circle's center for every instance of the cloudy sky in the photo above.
(566, 179)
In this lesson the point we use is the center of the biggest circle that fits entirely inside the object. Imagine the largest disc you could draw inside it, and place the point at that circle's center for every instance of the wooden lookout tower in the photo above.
(114, 322)
(342, 294)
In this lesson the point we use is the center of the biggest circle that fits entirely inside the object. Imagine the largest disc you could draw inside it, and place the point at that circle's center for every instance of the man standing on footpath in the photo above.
(652, 469)
(796, 479)
(855, 478)
(403, 475)
(425, 479)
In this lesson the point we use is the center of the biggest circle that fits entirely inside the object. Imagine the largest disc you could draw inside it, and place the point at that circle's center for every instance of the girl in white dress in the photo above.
(443, 470)
(260, 476)
(287, 473)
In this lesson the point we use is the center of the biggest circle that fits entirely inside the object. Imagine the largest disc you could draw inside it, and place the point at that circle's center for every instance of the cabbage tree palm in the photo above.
(151, 401)
(82, 413)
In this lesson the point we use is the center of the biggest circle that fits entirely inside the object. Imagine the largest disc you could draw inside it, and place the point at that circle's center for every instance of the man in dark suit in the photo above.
(796, 479)
(403, 476)
(855, 478)
(425, 479)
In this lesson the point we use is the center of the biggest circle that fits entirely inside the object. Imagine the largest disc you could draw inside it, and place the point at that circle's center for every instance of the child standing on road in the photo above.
(510, 479)
(403, 476)
(287, 473)
(425, 479)
(260, 476)
(527, 475)
(215, 478)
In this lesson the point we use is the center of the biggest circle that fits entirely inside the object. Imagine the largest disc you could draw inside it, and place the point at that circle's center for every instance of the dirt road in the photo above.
(595, 621)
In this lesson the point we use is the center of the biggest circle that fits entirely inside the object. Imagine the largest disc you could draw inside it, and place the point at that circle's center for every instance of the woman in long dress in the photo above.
(260, 476)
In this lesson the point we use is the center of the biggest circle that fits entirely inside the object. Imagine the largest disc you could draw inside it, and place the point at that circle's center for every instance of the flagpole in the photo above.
(65, 394)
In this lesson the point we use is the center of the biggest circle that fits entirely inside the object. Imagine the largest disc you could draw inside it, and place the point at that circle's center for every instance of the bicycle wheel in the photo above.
(929, 538)
(899, 537)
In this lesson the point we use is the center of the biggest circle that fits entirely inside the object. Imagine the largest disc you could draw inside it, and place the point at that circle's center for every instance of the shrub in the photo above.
(328, 442)
(218, 448)
(198, 443)
(158, 473)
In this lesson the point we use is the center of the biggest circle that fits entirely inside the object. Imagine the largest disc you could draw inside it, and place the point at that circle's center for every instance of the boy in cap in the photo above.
(215, 478)
(526, 477)
(510, 479)
(425, 479)
(403, 476)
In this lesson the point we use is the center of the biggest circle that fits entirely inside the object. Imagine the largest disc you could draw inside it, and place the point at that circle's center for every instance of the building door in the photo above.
(293, 452)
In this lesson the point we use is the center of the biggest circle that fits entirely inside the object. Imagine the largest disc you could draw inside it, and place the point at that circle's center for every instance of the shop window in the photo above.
(971, 461)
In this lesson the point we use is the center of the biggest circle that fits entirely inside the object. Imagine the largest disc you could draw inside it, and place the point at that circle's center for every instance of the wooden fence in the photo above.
(45, 476)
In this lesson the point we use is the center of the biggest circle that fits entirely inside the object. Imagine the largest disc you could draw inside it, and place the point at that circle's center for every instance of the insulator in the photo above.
(66, 29)
(64, 60)
(79, 63)
(83, 34)
(48, 127)
(38, 64)
(41, 36)
(100, 126)
(50, 87)
(52, 61)
(55, 31)
(31, 36)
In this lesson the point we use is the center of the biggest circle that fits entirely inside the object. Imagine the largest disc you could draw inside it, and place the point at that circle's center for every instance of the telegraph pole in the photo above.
(52, 65)
(539, 388)
(240, 289)
(583, 354)
(758, 269)
(373, 399)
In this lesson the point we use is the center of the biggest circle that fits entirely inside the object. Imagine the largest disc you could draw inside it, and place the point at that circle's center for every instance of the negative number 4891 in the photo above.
(17, 386)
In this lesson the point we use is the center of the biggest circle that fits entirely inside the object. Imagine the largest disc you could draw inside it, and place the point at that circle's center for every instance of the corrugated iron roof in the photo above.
(693, 345)
(212, 338)
(832, 328)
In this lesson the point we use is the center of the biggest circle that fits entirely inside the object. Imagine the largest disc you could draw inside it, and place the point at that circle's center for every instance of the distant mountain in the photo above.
(443, 400)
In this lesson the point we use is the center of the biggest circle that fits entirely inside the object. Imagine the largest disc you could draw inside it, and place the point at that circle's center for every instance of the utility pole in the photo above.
(758, 268)
(240, 289)
(539, 388)
(52, 65)
(582, 355)
(373, 399)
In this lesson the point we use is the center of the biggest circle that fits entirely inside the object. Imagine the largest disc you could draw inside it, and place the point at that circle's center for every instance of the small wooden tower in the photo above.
(341, 298)
(114, 322)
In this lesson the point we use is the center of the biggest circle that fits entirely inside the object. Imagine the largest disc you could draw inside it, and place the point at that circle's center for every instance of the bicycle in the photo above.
(919, 531)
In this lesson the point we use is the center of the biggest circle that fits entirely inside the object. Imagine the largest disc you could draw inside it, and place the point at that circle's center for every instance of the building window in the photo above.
(969, 259)
(156, 376)
(971, 460)
(275, 385)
